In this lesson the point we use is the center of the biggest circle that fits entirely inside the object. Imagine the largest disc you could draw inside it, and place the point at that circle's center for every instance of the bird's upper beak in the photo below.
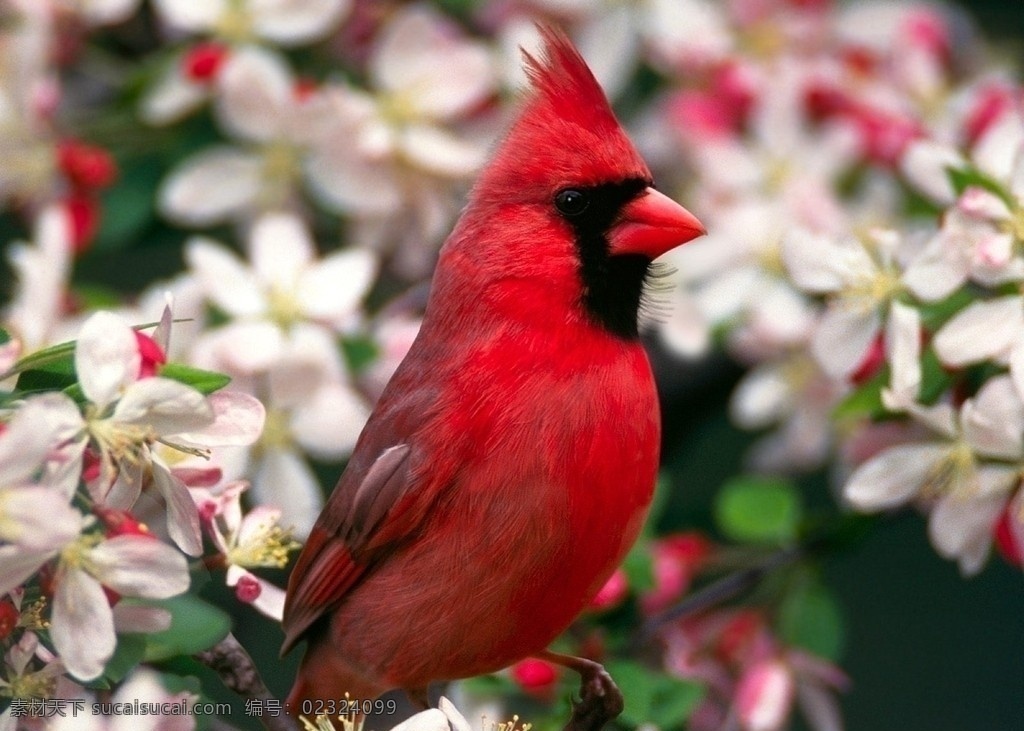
(652, 224)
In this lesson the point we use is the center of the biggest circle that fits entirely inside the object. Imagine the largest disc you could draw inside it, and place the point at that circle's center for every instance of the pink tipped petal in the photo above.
(139, 618)
(843, 337)
(182, 514)
(961, 527)
(764, 696)
(238, 420)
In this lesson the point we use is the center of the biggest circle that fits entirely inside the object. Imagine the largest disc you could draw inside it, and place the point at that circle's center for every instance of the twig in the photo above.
(720, 591)
(234, 666)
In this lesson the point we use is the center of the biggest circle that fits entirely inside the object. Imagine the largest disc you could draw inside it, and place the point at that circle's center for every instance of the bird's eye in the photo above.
(570, 202)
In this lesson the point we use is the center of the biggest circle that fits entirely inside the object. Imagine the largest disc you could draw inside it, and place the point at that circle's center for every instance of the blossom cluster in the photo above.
(859, 168)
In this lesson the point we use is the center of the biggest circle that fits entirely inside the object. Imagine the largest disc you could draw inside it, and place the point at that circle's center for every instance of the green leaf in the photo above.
(653, 697)
(963, 178)
(359, 353)
(758, 509)
(5, 337)
(54, 376)
(935, 381)
(195, 626)
(128, 207)
(935, 314)
(809, 617)
(865, 401)
(205, 382)
(44, 357)
(129, 653)
(638, 567)
(94, 297)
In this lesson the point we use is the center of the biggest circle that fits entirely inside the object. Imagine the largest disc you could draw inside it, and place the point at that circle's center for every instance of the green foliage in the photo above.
(195, 625)
(206, 382)
(653, 697)
(758, 509)
(809, 617)
(359, 352)
(55, 375)
(129, 653)
(5, 337)
(964, 178)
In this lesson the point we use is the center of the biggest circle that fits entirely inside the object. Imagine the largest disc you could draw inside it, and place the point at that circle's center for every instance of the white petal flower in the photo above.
(903, 351)
(212, 186)
(291, 22)
(106, 358)
(82, 625)
(282, 477)
(893, 477)
(982, 330)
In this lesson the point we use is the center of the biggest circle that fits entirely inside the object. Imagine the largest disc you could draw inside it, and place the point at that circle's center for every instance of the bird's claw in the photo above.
(600, 701)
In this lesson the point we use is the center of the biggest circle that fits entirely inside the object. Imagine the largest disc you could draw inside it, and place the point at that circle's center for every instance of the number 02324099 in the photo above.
(347, 707)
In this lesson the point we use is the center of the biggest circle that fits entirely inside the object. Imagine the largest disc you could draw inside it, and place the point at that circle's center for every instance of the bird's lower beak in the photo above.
(652, 224)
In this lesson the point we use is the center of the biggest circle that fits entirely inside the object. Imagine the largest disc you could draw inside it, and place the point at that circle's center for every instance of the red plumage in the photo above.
(509, 463)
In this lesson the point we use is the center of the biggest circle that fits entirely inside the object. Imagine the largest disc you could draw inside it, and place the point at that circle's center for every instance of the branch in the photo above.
(234, 666)
(721, 591)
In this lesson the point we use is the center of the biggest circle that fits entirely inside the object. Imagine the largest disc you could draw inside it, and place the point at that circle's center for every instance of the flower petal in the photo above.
(328, 424)
(24, 522)
(280, 248)
(224, 278)
(140, 566)
(82, 625)
(167, 406)
(961, 527)
(283, 478)
(182, 514)
(238, 420)
(290, 22)
(993, 421)
(212, 186)
(255, 94)
(925, 164)
(18, 563)
(331, 290)
(842, 339)
(191, 15)
(892, 477)
(980, 331)
(903, 351)
(106, 357)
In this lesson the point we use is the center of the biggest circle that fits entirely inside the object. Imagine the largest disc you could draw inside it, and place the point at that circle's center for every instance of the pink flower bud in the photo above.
(248, 589)
(152, 355)
(203, 62)
(613, 591)
(764, 696)
(536, 677)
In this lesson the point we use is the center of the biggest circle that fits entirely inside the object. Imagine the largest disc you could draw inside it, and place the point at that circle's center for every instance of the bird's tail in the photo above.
(326, 685)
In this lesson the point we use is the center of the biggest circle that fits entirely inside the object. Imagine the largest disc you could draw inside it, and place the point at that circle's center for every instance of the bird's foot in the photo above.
(600, 700)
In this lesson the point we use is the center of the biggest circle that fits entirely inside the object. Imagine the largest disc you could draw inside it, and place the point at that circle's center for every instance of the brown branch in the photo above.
(235, 667)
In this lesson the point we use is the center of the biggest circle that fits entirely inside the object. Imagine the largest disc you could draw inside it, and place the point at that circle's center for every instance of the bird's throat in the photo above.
(613, 288)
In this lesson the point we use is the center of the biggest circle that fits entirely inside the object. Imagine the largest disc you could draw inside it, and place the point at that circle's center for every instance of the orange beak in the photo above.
(651, 225)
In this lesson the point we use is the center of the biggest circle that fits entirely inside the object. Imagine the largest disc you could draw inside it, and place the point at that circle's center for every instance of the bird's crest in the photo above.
(565, 132)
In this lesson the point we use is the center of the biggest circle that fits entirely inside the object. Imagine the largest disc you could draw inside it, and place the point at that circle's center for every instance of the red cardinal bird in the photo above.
(509, 463)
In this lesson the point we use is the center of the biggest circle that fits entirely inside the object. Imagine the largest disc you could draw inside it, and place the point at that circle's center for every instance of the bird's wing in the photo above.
(362, 519)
